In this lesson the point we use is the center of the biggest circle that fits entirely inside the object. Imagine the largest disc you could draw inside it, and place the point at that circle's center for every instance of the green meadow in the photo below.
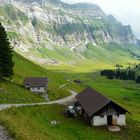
(14, 92)
(84, 62)
(34, 123)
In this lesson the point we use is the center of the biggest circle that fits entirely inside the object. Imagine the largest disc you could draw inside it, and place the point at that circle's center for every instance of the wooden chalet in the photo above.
(36, 84)
(98, 109)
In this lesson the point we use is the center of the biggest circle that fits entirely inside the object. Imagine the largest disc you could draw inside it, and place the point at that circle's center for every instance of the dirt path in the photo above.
(60, 101)
(4, 133)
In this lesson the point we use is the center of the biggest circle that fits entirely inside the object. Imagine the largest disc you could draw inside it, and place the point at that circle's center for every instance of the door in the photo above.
(109, 120)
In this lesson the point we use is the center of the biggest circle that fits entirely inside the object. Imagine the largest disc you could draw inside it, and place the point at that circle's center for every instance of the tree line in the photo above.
(123, 74)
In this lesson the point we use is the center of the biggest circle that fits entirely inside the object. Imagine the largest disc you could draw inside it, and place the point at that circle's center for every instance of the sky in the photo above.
(126, 11)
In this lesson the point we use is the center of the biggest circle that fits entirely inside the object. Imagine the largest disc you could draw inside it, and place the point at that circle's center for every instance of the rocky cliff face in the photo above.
(49, 23)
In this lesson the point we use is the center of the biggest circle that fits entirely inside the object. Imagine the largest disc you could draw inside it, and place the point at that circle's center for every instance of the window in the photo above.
(38, 88)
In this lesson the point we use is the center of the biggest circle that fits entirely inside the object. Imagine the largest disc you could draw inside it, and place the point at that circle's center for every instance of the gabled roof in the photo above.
(36, 81)
(92, 101)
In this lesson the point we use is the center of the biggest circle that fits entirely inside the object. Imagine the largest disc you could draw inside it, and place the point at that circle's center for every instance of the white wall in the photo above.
(98, 121)
(41, 89)
(121, 119)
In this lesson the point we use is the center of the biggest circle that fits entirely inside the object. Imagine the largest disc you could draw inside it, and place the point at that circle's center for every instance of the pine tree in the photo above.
(117, 73)
(138, 79)
(131, 75)
(6, 63)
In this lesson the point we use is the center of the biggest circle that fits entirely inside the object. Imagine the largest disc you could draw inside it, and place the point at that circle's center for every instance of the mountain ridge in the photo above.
(44, 29)
(82, 11)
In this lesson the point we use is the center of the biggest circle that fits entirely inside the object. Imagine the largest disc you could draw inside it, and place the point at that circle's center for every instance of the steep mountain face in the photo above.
(36, 25)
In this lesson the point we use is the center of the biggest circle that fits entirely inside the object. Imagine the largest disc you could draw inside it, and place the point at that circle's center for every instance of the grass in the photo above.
(126, 93)
(105, 56)
(110, 54)
(36, 125)
(12, 35)
(14, 92)
(32, 123)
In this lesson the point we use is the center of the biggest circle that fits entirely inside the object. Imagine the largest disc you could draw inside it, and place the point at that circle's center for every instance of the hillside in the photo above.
(14, 92)
(55, 33)
(27, 123)
(66, 43)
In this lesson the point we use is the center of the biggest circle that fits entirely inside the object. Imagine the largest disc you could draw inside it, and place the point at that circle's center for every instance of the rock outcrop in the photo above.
(32, 24)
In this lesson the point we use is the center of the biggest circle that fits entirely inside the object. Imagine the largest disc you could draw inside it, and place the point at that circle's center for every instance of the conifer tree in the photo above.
(6, 53)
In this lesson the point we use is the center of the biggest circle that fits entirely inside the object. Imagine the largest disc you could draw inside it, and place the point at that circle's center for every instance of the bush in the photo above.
(109, 73)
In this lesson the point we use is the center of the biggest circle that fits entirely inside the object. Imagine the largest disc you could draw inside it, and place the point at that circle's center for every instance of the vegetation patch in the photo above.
(14, 91)
(30, 123)
(123, 74)
(12, 13)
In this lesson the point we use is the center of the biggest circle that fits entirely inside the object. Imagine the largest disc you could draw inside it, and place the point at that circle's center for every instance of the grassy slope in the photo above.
(14, 92)
(92, 59)
(34, 122)
(36, 125)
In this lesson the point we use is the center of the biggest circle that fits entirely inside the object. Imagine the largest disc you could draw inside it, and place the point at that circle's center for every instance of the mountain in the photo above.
(52, 32)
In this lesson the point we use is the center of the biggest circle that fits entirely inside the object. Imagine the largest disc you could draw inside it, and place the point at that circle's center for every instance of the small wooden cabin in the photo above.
(36, 84)
(100, 110)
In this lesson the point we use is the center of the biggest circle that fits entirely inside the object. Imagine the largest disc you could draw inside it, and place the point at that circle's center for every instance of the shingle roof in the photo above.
(36, 81)
(91, 101)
